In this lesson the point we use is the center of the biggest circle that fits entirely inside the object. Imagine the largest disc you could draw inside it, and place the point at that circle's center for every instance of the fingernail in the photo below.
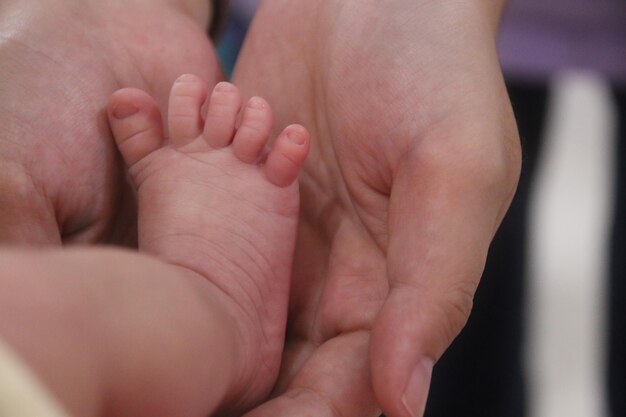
(416, 392)
(124, 110)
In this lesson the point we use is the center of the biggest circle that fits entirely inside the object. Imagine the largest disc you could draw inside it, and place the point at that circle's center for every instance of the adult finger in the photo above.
(448, 199)
(333, 382)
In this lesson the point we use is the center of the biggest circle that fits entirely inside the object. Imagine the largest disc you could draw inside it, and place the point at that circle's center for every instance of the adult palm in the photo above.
(61, 179)
(415, 159)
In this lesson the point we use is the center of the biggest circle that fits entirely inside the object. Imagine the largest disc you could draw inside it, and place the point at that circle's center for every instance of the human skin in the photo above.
(115, 333)
(197, 328)
(415, 159)
(61, 179)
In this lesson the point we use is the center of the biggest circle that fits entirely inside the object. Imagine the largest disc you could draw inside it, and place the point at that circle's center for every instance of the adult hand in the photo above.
(60, 177)
(415, 160)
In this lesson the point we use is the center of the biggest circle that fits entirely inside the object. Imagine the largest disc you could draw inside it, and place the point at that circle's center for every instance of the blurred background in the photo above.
(538, 343)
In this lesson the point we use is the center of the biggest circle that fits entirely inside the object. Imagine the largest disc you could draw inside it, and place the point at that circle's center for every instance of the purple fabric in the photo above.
(541, 37)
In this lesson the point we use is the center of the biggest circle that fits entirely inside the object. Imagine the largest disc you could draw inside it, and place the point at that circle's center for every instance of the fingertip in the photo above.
(415, 395)
(407, 339)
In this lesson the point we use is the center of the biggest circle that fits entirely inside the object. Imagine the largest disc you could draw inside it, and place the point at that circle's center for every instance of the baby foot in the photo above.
(214, 199)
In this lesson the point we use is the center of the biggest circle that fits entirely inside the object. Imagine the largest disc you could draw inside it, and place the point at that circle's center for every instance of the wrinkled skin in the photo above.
(415, 159)
(59, 65)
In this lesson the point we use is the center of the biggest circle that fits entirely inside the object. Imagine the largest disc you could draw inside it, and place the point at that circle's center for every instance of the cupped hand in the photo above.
(61, 179)
(414, 162)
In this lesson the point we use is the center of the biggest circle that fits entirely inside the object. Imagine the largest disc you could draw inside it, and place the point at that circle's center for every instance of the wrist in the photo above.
(492, 9)
(465, 22)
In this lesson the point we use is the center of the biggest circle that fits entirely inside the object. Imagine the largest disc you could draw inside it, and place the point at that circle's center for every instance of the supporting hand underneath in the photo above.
(415, 159)
(61, 179)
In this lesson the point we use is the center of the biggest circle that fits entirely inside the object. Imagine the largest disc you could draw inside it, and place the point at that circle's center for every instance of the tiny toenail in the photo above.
(296, 138)
(224, 87)
(185, 78)
(124, 110)
(256, 103)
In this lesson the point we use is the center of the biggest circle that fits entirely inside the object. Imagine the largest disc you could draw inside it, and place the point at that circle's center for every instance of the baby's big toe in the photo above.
(287, 156)
(136, 124)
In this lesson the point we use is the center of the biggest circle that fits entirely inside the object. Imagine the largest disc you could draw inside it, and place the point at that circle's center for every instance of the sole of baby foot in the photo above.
(215, 199)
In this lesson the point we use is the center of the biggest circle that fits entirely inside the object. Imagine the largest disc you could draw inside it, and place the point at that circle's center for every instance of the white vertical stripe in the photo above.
(570, 210)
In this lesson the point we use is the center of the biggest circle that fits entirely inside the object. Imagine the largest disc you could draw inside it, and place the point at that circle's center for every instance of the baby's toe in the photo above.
(224, 106)
(184, 115)
(287, 156)
(136, 124)
(254, 131)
